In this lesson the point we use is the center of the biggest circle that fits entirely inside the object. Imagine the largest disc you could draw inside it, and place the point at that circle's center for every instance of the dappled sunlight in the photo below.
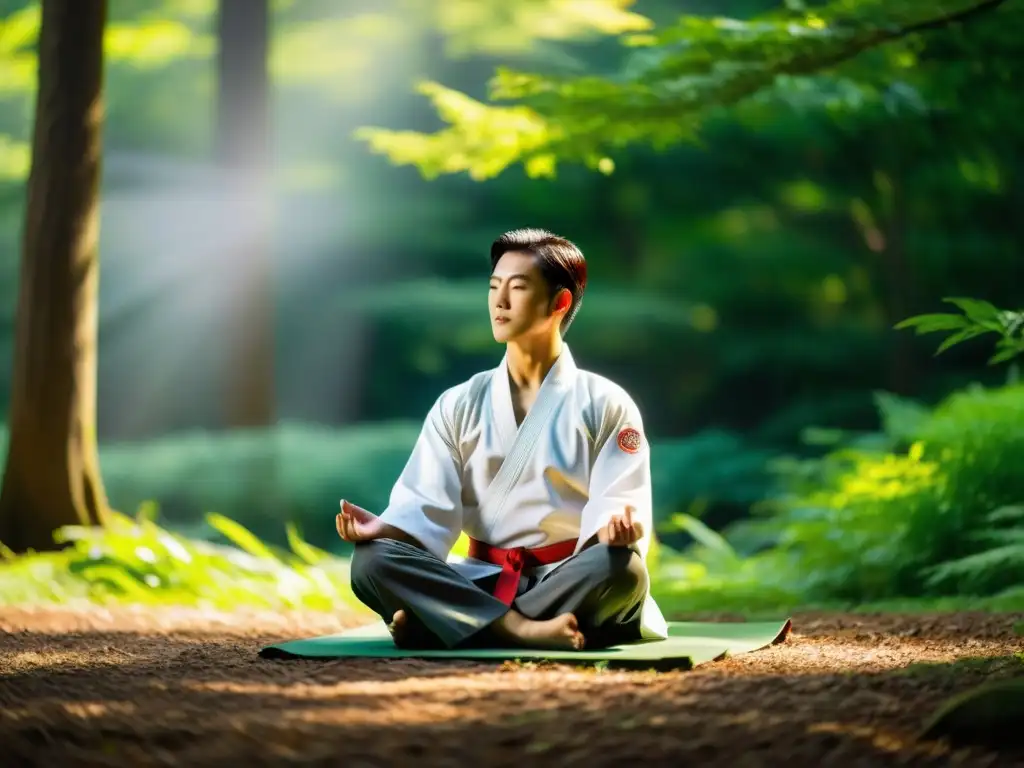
(155, 43)
(18, 33)
(746, 221)
(146, 42)
(804, 195)
(93, 626)
(25, 661)
(15, 159)
(76, 710)
(466, 686)
(983, 172)
(884, 740)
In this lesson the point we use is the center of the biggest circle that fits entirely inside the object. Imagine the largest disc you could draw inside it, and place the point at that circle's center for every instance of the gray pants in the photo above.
(604, 587)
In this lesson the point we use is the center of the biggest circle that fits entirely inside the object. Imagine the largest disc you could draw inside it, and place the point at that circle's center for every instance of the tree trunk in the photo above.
(899, 288)
(243, 146)
(52, 474)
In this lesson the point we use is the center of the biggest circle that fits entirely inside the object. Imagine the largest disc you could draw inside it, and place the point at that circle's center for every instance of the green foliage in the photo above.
(930, 507)
(978, 318)
(676, 77)
(709, 471)
(874, 522)
(137, 561)
(1005, 555)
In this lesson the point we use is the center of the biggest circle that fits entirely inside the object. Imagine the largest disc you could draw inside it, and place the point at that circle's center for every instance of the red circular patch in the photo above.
(629, 440)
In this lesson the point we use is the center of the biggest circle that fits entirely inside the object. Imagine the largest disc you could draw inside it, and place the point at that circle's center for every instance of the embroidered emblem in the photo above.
(629, 440)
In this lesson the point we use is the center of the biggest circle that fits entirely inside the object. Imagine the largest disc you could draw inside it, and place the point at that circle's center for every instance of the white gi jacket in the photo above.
(579, 457)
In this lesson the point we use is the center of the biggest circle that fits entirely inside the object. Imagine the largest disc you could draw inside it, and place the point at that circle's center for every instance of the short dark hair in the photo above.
(561, 263)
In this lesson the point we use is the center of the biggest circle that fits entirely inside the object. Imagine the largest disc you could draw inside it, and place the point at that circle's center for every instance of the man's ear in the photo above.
(563, 300)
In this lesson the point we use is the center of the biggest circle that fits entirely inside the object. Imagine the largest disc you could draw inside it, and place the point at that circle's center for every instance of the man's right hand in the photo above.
(356, 524)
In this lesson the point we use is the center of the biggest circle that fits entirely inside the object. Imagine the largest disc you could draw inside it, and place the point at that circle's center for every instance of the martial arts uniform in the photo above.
(528, 497)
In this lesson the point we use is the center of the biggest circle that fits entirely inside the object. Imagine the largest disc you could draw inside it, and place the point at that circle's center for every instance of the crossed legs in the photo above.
(598, 592)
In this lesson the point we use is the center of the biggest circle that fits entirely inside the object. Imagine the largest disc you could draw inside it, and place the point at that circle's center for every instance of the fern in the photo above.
(860, 524)
(1003, 559)
(968, 571)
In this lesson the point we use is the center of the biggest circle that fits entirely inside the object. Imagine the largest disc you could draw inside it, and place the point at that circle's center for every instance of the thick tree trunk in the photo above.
(243, 148)
(52, 474)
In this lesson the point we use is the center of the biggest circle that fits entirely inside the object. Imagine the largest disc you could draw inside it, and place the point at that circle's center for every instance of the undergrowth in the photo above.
(135, 560)
(929, 510)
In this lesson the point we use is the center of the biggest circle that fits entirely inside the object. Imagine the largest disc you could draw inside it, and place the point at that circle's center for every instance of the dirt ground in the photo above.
(138, 687)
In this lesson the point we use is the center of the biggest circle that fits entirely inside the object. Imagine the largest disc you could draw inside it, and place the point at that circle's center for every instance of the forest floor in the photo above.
(143, 686)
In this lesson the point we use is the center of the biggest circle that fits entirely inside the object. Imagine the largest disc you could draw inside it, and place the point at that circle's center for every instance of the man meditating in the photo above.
(544, 466)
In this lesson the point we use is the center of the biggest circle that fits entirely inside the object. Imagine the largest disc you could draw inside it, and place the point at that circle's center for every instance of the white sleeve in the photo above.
(620, 476)
(426, 501)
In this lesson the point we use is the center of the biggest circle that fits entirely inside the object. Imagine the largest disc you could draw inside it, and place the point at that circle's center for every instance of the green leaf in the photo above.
(933, 322)
(1007, 513)
(956, 338)
(113, 576)
(989, 561)
(306, 551)
(148, 511)
(1008, 352)
(704, 535)
(979, 311)
(902, 417)
(239, 535)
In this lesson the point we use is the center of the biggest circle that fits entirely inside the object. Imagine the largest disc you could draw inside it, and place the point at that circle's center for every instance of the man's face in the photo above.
(518, 298)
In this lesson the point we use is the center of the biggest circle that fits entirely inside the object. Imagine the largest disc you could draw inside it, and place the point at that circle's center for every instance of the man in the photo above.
(543, 465)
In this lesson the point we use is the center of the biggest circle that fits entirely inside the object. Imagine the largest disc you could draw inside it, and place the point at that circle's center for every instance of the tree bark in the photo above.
(243, 147)
(52, 474)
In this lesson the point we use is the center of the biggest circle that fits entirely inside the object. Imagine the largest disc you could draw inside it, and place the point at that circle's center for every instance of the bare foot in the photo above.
(397, 628)
(561, 632)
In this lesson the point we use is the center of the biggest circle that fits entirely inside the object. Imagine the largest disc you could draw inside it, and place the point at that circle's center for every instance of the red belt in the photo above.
(512, 562)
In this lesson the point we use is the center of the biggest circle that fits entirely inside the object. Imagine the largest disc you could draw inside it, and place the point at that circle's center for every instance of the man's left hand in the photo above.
(621, 530)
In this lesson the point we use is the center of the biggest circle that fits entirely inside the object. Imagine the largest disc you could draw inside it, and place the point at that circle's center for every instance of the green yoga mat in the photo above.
(688, 644)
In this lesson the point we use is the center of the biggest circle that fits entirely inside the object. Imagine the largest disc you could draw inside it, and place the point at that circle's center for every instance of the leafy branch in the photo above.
(673, 78)
(978, 318)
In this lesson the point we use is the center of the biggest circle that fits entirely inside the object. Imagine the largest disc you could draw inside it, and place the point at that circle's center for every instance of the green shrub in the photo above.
(930, 507)
(137, 561)
(861, 524)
